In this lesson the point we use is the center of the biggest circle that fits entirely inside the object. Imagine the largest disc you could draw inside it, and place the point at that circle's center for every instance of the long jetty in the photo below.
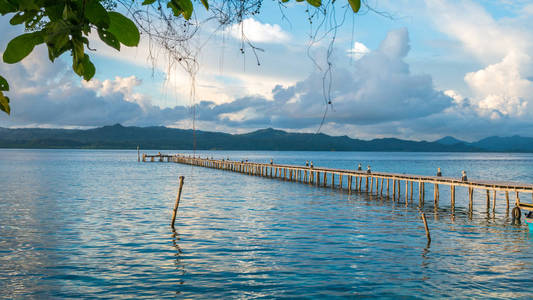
(380, 183)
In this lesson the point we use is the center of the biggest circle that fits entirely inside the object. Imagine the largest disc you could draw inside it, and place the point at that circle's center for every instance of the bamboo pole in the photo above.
(426, 227)
(177, 204)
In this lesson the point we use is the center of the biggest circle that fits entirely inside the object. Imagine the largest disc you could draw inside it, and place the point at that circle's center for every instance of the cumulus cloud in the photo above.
(503, 87)
(376, 89)
(256, 32)
(359, 50)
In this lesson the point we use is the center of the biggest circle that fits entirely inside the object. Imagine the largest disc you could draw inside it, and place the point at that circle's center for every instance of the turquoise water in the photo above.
(93, 224)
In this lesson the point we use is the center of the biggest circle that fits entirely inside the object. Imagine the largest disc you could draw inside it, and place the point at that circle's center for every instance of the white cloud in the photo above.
(359, 50)
(257, 32)
(502, 87)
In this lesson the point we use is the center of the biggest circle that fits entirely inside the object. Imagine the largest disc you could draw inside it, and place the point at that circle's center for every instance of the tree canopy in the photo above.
(65, 25)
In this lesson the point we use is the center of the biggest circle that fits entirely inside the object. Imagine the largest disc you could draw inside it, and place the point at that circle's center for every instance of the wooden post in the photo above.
(332, 180)
(423, 192)
(340, 181)
(371, 184)
(367, 183)
(517, 199)
(488, 200)
(426, 227)
(470, 199)
(138, 154)
(411, 191)
(453, 197)
(325, 178)
(349, 183)
(394, 189)
(507, 198)
(317, 178)
(435, 197)
(419, 193)
(177, 202)
(388, 187)
(494, 201)
(381, 189)
(406, 192)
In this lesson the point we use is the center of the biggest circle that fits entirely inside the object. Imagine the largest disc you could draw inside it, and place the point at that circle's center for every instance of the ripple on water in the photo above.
(95, 224)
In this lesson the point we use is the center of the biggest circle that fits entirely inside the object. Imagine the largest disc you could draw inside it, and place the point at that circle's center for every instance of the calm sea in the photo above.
(95, 224)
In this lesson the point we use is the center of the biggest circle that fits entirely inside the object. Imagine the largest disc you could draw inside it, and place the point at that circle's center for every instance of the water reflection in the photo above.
(179, 265)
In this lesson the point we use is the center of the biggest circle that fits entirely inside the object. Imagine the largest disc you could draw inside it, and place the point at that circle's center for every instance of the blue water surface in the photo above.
(95, 224)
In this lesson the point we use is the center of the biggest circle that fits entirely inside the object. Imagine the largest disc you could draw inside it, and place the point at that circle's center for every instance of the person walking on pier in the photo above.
(368, 170)
(359, 168)
(439, 173)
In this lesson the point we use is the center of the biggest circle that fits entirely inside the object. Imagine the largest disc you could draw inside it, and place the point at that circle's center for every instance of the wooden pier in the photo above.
(379, 183)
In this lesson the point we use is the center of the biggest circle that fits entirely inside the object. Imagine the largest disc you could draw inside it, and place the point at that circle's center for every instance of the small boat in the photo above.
(529, 214)
(529, 222)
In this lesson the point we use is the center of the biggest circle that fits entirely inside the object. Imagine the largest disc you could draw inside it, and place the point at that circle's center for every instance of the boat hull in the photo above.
(529, 222)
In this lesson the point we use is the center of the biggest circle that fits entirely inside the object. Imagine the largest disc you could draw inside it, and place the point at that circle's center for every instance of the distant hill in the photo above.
(449, 140)
(507, 144)
(121, 137)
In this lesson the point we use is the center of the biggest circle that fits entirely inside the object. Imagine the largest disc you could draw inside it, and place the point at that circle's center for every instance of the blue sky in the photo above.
(434, 68)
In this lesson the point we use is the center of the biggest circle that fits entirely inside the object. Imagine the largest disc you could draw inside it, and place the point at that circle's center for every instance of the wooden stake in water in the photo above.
(426, 227)
(177, 202)
(138, 154)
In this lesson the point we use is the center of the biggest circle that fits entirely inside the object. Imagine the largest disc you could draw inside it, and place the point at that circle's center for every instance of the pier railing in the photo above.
(363, 180)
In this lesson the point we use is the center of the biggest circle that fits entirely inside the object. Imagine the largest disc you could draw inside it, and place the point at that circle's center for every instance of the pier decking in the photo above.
(380, 183)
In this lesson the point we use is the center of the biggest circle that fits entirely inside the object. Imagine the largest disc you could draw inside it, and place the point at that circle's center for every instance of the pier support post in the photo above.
(494, 201)
(470, 199)
(507, 199)
(453, 197)
(488, 200)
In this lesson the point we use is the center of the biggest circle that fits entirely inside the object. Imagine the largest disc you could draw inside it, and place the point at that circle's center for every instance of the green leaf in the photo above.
(148, 2)
(4, 86)
(97, 14)
(57, 38)
(23, 16)
(206, 4)
(88, 68)
(124, 29)
(315, 3)
(108, 38)
(355, 4)
(27, 5)
(6, 7)
(179, 7)
(4, 103)
(187, 7)
(21, 46)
